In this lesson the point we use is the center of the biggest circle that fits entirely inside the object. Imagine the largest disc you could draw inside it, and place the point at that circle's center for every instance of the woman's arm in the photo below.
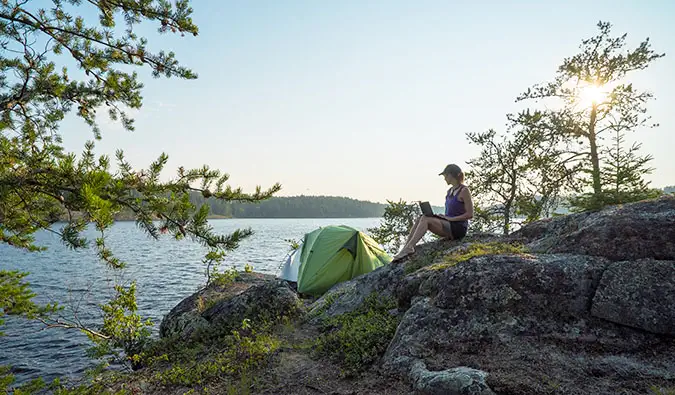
(465, 196)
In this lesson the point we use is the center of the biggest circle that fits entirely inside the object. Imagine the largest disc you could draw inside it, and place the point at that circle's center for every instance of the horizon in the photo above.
(343, 99)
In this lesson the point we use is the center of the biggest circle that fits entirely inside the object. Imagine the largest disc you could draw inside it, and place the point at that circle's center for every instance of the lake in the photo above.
(166, 272)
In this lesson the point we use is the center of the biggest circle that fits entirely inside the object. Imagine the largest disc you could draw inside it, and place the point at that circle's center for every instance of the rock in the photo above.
(542, 286)
(261, 302)
(387, 281)
(624, 232)
(251, 295)
(525, 321)
(349, 295)
(455, 381)
(639, 294)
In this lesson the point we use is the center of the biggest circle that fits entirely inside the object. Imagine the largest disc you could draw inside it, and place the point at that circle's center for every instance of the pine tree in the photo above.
(40, 182)
(516, 178)
(623, 173)
(590, 98)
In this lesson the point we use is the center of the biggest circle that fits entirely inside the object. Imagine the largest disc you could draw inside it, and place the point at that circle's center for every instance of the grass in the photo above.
(421, 260)
(476, 250)
(356, 339)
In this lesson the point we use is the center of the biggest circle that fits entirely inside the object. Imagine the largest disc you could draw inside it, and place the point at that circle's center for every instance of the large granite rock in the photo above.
(640, 294)
(525, 323)
(625, 232)
(254, 296)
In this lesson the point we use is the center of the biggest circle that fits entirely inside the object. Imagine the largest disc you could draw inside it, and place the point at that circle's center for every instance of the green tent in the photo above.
(335, 254)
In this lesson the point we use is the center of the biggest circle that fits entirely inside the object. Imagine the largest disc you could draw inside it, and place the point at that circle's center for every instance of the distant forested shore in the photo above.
(297, 207)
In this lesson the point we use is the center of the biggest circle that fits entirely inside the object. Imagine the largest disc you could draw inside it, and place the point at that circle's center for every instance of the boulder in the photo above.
(624, 232)
(455, 381)
(251, 295)
(262, 303)
(640, 294)
(523, 325)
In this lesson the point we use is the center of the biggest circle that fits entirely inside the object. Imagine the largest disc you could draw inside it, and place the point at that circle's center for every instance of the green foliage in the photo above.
(293, 244)
(29, 388)
(516, 178)
(328, 301)
(421, 260)
(16, 297)
(588, 99)
(225, 277)
(123, 328)
(243, 351)
(622, 178)
(399, 218)
(41, 183)
(356, 339)
(473, 250)
(293, 207)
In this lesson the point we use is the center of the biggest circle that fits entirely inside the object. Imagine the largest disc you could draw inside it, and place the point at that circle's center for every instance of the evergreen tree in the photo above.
(399, 218)
(40, 182)
(623, 173)
(515, 179)
(589, 99)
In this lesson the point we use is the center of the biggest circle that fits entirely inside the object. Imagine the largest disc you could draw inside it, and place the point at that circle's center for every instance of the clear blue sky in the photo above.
(370, 99)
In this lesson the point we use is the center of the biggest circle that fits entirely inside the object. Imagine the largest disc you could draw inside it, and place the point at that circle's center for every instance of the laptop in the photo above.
(426, 209)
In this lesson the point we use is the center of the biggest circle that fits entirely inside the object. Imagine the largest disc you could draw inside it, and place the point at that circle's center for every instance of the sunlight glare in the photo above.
(592, 94)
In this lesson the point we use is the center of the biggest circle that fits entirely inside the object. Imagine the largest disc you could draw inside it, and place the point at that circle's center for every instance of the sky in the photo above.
(369, 99)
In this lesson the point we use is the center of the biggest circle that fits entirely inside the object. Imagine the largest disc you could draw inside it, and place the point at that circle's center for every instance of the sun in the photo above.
(592, 94)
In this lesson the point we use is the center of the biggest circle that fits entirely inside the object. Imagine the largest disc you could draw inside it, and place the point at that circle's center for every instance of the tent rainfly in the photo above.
(331, 255)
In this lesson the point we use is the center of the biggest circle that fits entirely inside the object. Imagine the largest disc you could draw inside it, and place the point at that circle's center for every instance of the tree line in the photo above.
(292, 207)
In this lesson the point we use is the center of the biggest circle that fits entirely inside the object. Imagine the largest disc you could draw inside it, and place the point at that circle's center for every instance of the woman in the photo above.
(458, 211)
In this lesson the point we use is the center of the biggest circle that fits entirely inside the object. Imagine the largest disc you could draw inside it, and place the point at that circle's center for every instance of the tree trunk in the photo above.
(507, 220)
(595, 160)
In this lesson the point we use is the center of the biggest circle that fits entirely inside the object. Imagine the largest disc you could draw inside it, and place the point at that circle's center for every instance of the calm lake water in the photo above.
(166, 272)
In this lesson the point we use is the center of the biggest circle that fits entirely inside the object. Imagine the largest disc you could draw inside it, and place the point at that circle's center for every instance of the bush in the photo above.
(357, 339)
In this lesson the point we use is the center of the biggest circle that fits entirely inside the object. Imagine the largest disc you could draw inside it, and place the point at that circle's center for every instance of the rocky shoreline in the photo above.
(584, 305)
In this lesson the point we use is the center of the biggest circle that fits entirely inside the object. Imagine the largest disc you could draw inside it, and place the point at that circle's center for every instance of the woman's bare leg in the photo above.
(423, 224)
(433, 224)
(413, 229)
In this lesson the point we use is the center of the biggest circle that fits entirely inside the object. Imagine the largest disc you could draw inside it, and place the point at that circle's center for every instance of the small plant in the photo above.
(420, 260)
(656, 390)
(356, 339)
(294, 244)
(328, 301)
(397, 221)
(7, 379)
(248, 268)
(244, 350)
(225, 277)
(201, 304)
(124, 334)
(478, 249)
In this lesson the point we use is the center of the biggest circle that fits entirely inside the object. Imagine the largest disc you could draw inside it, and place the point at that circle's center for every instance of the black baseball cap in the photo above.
(451, 169)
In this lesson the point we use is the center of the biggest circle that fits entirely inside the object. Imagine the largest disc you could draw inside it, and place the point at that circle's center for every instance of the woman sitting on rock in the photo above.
(458, 211)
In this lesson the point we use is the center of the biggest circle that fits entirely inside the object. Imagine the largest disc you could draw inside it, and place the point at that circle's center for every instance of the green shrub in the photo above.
(244, 350)
(357, 339)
